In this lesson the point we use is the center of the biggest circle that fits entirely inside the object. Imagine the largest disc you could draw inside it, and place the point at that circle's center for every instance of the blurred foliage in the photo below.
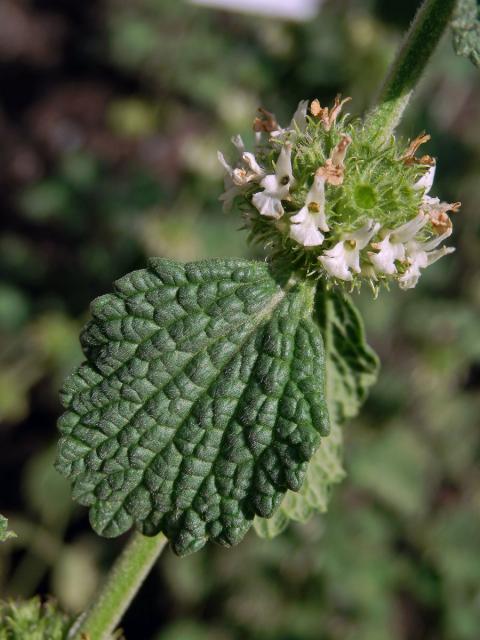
(110, 125)
(466, 30)
(5, 532)
(32, 620)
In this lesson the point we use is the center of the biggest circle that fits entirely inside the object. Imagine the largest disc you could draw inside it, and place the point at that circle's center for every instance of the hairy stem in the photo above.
(420, 41)
(122, 583)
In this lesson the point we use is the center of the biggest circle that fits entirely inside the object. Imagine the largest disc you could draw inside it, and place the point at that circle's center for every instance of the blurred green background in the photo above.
(110, 117)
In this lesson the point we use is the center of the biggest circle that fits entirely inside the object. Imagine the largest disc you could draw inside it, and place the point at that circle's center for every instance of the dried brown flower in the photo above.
(326, 115)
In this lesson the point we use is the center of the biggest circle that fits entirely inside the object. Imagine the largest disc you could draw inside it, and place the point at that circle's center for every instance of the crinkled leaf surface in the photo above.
(352, 368)
(466, 30)
(200, 404)
(325, 470)
(5, 533)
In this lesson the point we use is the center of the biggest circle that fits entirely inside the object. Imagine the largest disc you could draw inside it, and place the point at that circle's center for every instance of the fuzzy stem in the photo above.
(420, 41)
(122, 583)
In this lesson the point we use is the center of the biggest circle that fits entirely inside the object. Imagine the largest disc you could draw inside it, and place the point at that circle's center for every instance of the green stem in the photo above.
(420, 41)
(122, 583)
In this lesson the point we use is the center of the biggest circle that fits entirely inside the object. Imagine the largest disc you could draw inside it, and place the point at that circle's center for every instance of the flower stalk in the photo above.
(420, 41)
(123, 581)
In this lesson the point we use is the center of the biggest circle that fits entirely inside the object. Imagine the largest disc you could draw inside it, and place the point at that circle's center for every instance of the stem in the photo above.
(122, 583)
(420, 41)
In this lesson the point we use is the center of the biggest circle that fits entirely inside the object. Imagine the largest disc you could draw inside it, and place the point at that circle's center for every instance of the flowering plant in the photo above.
(213, 393)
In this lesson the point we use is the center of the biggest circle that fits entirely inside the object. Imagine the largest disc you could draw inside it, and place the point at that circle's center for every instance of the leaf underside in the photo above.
(200, 404)
(351, 368)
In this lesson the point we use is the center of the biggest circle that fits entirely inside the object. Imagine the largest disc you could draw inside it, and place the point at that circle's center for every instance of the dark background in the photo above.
(110, 117)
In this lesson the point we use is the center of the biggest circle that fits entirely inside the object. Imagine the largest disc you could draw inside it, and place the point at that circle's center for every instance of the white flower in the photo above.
(276, 187)
(299, 119)
(392, 247)
(344, 257)
(248, 171)
(236, 179)
(311, 217)
(420, 255)
(230, 189)
(426, 181)
(297, 123)
(436, 210)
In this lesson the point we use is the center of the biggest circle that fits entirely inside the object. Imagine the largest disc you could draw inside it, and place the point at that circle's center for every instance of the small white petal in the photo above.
(344, 257)
(389, 252)
(270, 183)
(250, 160)
(228, 197)
(352, 258)
(268, 205)
(304, 229)
(334, 261)
(238, 142)
(408, 230)
(426, 181)
(316, 196)
(362, 236)
(306, 224)
(224, 163)
(283, 170)
(433, 256)
(421, 255)
(430, 202)
(410, 278)
(300, 116)
(433, 244)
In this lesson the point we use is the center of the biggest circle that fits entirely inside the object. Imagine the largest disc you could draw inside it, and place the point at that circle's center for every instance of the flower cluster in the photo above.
(336, 203)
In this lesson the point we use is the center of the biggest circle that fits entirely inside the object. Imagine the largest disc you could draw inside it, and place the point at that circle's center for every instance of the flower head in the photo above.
(368, 215)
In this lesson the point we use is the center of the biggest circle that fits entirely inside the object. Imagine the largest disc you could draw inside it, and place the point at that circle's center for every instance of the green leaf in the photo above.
(351, 368)
(200, 404)
(5, 533)
(466, 30)
(325, 470)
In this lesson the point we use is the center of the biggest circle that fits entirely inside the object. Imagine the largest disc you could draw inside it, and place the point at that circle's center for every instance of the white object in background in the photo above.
(284, 9)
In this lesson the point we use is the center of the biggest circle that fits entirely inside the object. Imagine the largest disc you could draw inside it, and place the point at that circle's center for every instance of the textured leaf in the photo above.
(351, 369)
(466, 30)
(325, 469)
(200, 404)
(5, 533)
(352, 366)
